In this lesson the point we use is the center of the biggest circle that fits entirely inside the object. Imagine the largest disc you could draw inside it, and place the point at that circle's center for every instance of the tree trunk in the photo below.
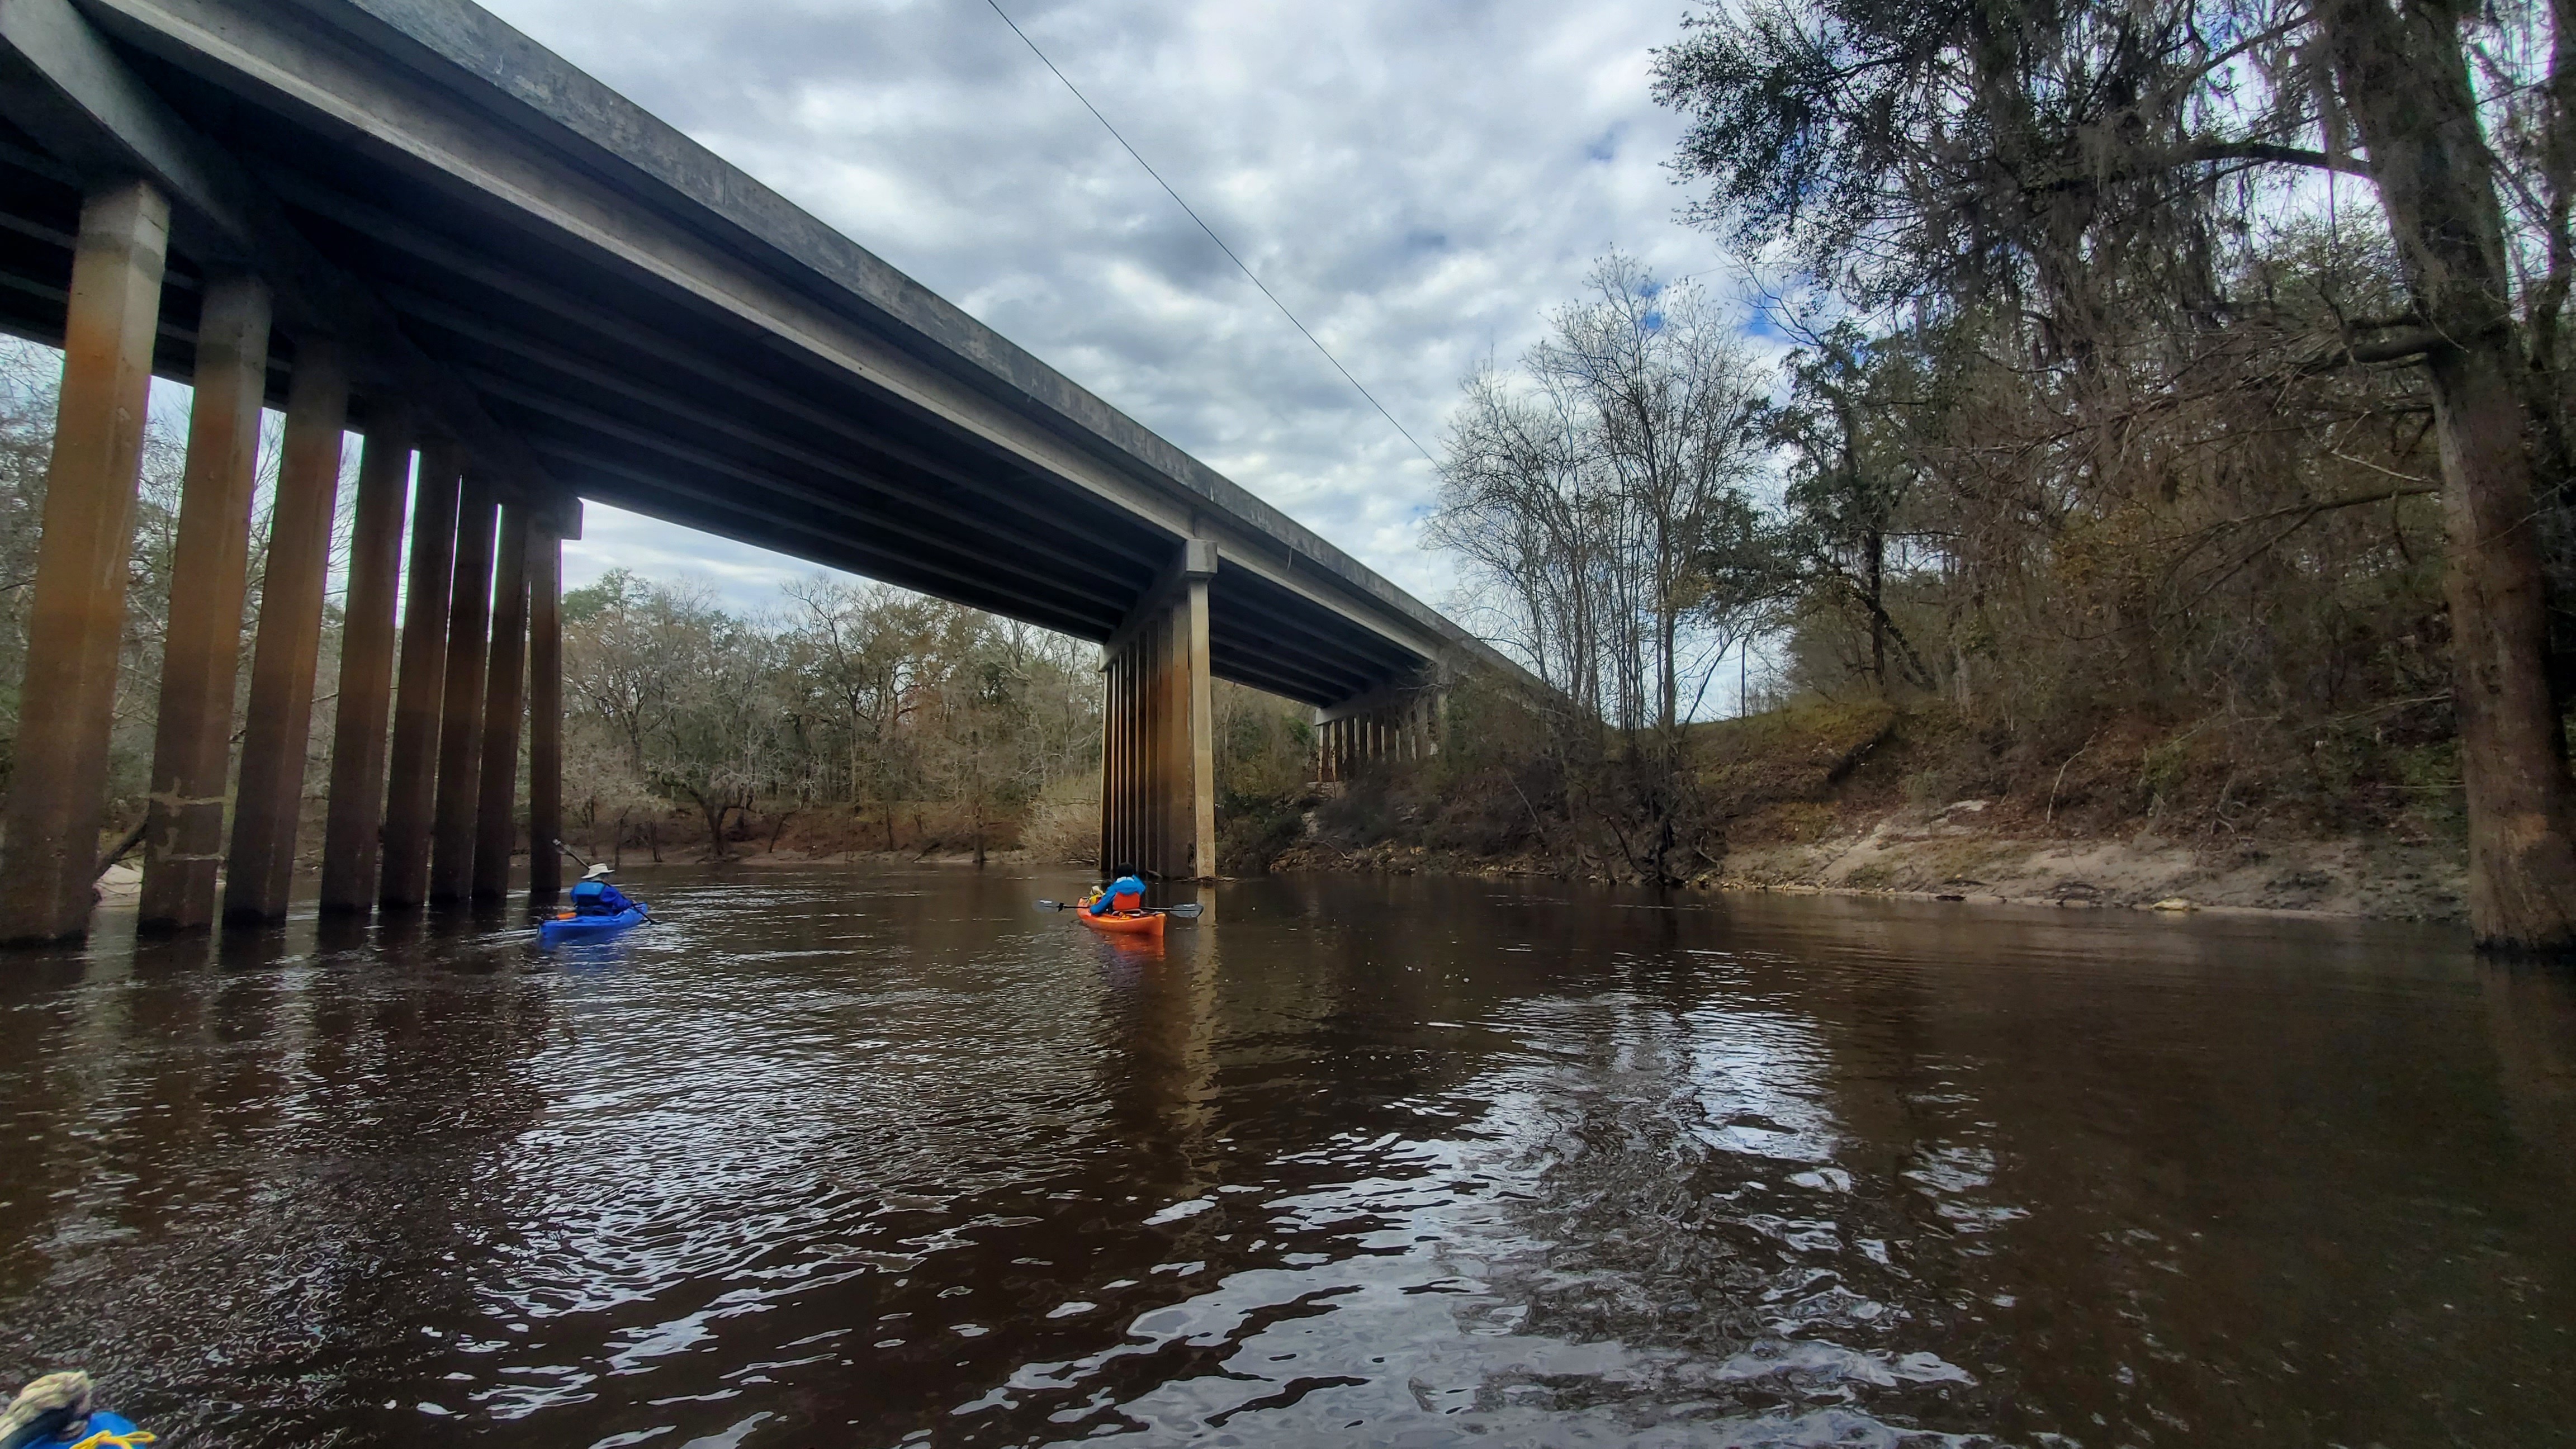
(1877, 565)
(1667, 634)
(713, 808)
(2404, 78)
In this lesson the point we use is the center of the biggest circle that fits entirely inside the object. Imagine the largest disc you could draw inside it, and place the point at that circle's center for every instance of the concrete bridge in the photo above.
(402, 218)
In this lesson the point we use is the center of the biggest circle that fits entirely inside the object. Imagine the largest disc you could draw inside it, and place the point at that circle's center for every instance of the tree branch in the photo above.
(2265, 151)
(2397, 345)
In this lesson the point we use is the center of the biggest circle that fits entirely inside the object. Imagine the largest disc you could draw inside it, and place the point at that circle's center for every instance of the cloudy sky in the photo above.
(1419, 179)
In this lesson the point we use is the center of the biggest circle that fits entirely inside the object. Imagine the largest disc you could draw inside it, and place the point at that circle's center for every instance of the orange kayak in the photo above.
(1126, 923)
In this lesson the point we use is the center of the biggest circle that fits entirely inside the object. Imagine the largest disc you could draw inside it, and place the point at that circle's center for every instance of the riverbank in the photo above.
(1943, 859)
(1938, 859)
(1868, 799)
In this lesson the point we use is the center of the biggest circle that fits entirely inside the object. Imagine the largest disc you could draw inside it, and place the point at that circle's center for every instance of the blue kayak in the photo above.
(589, 928)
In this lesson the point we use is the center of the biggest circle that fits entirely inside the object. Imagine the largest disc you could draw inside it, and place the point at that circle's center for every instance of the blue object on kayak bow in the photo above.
(589, 928)
(108, 1431)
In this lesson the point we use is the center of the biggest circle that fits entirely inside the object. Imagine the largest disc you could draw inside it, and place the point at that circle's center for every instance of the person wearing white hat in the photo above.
(592, 895)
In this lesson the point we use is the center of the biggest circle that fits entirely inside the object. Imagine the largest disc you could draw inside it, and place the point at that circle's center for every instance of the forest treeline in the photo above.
(924, 724)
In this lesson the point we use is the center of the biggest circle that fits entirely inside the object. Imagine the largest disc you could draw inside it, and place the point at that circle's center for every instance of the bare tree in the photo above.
(1591, 499)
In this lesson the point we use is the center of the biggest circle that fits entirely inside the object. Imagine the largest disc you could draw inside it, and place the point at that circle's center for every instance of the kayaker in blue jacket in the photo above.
(1127, 893)
(592, 895)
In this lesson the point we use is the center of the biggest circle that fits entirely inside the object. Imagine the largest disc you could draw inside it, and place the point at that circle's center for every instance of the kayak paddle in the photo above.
(1188, 912)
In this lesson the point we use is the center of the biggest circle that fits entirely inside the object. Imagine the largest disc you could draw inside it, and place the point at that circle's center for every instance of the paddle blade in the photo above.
(1186, 913)
(1050, 905)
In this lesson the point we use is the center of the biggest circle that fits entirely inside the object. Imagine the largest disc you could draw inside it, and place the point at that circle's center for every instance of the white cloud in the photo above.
(1420, 182)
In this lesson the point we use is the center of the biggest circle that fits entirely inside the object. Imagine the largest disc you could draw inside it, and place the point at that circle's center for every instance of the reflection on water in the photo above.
(842, 1158)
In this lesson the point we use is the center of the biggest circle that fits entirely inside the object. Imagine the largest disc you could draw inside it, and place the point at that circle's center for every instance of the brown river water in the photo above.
(841, 1157)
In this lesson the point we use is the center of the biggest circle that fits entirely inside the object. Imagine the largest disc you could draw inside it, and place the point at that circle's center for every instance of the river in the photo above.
(857, 1157)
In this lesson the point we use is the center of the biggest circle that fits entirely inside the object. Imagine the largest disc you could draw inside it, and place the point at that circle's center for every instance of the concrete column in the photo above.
(76, 616)
(460, 731)
(1109, 763)
(1171, 746)
(496, 815)
(277, 733)
(183, 836)
(545, 713)
(1152, 773)
(411, 773)
(1114, 730)
(1158, 730)
(1131, 730)
(351, 836)
(1111, 692)
(1199, 722)
(1131, 759)
(1168, 809)
(1131, 721)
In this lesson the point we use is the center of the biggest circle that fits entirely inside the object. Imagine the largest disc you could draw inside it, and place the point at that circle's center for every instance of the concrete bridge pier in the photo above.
(276, 733)
(183, 838)
(460, 730)
(351, 834)
(496, 818)
(1158, 734)
(1400, 722)
(411, 770)
(545, 710)
(76, 617)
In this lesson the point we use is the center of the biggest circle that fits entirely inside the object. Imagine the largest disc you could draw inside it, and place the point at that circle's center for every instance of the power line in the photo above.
(1211, 231)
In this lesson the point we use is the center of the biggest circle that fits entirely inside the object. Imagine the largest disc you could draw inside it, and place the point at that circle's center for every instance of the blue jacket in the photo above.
(598, 898)
(1127, 886)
